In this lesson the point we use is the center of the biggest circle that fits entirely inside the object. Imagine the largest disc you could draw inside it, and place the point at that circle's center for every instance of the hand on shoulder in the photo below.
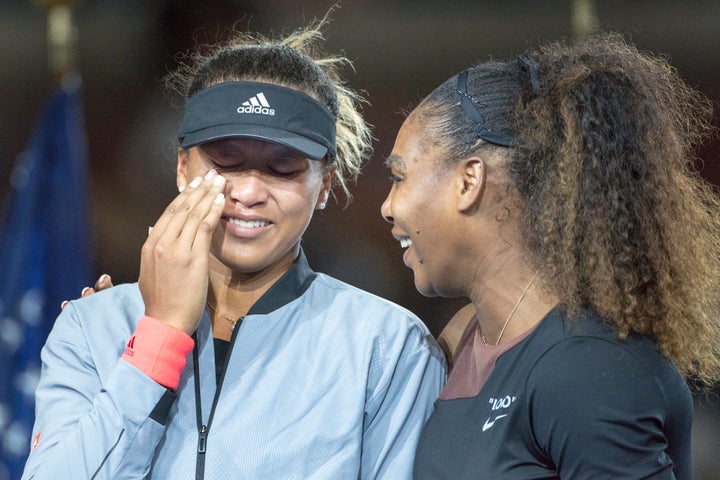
(102, 283)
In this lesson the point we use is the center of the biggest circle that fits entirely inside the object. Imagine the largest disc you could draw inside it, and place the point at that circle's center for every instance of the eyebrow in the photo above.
(394, 160)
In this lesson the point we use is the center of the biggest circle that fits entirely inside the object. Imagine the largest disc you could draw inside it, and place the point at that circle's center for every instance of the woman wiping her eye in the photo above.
(231, 357)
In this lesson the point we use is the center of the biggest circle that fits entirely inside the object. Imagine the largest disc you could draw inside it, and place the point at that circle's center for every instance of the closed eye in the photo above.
(285, 174)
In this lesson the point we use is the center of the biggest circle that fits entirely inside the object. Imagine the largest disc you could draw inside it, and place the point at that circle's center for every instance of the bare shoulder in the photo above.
(451, 334)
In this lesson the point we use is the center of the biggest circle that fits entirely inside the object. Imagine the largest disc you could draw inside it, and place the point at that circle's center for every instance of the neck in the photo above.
(510, 307)
(231, 294)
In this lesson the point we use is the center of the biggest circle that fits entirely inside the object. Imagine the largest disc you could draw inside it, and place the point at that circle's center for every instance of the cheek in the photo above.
(415, 204)
(195, 168)
(429, 222)
(297, 204)
(311, 190)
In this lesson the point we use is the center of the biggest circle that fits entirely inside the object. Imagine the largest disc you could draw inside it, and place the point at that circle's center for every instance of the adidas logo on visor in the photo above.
(256, 104)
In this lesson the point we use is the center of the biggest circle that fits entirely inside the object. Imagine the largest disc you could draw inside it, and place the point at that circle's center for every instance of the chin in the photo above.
(425, 290)
(443, 290)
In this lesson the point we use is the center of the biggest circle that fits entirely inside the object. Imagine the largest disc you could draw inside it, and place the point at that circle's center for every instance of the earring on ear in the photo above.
(323, 204)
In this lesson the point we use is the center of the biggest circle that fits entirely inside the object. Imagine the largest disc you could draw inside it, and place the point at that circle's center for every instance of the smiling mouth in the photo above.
(248, 223)
(405, 242)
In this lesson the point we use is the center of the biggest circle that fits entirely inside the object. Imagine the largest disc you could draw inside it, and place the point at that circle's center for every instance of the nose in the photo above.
(385, 208)
(246, 188)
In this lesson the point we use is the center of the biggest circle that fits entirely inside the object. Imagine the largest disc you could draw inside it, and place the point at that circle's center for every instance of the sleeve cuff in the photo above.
(159, 350)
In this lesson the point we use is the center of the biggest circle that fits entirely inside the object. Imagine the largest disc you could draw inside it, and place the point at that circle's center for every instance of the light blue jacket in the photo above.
(323, 381)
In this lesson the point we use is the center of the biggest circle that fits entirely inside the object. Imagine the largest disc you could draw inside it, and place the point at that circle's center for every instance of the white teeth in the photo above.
(405, 242)
(248, 224)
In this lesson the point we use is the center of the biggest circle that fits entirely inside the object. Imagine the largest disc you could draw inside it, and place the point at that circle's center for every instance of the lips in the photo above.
(246, 226)
(248, 223)
(404, 240)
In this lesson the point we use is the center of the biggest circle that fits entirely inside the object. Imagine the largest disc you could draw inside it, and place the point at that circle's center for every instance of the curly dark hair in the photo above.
(614, 215)
(296, 61)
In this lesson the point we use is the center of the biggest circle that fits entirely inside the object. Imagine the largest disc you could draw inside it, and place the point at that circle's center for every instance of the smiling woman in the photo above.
(555, 191)
(292, 373)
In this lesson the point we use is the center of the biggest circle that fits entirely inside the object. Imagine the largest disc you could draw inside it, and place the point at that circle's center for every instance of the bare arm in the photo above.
(451, 334)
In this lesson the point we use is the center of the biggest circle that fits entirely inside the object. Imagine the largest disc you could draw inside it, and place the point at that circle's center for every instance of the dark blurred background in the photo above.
(401, 50)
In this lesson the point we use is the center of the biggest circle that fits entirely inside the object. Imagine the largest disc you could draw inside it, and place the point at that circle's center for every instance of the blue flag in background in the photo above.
(45, 258)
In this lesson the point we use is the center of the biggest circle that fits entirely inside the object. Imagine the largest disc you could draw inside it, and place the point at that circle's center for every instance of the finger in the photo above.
(177, 206)
(198, 217)
(171, 209)
(198, 196)
(103, 282)
(86, 291)
(63, 304)
(99, 282)
(203, 238)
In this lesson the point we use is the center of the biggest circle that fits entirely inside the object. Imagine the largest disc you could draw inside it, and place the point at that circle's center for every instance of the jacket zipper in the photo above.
(202, 446)
(203, 429)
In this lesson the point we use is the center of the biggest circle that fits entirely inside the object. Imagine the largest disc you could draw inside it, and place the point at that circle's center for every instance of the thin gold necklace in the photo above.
(222, 315)
(512, 312)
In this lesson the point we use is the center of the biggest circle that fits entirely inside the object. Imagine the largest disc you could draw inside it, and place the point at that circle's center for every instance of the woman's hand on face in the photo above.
(174, 259)
(103, 282)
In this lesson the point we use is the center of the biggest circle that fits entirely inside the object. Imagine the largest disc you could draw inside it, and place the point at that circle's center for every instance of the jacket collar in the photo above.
(289, 287)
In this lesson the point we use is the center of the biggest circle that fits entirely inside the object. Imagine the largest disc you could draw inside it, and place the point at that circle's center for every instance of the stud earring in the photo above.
(323, 204)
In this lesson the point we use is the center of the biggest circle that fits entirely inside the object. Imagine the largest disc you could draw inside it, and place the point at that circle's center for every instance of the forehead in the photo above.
(412, 147)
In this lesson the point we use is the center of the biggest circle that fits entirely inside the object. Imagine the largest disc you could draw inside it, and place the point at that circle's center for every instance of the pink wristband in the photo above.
(159, 350)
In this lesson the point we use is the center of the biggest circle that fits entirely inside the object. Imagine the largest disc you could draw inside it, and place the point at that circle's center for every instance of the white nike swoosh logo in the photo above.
(488, 424)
